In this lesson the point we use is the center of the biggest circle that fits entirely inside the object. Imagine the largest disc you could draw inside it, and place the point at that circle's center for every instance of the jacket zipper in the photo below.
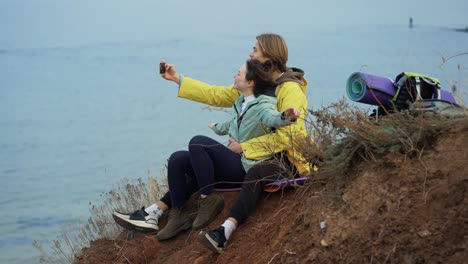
(239, 118)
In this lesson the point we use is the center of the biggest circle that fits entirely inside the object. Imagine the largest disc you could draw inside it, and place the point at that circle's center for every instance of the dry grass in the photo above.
(127, 196)
(346, 135)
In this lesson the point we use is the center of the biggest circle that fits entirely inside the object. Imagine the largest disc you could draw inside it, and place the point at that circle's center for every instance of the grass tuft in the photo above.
(73, 238)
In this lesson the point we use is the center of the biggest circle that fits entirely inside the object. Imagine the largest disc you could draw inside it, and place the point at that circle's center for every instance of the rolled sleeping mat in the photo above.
(370, 89)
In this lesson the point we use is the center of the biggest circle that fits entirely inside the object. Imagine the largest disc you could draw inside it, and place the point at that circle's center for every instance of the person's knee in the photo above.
(178, 156)
(198, 140)
(251, 183)
(255, 173)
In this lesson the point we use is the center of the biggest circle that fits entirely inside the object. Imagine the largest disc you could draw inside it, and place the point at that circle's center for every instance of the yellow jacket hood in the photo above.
(294, 75)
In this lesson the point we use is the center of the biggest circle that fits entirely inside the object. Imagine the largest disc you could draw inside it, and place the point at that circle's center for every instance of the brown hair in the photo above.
(262, 78)
(274, 48)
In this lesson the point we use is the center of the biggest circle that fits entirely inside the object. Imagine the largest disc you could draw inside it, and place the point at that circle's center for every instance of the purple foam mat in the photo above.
(370, 89)
(447, 97)
(284, 183)
(273, 186)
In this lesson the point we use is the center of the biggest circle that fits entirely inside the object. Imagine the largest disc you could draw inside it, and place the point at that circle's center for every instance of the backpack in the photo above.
(412, 87)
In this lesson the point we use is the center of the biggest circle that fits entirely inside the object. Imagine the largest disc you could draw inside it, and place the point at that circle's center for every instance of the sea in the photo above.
(77, 119)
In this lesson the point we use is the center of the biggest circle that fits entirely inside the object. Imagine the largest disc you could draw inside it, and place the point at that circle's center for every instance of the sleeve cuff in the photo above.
(181, 77)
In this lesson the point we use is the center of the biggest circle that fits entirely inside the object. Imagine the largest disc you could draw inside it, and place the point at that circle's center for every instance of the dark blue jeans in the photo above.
(206, 163)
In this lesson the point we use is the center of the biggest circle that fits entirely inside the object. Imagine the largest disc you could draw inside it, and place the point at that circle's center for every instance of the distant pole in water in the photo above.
(410, 22)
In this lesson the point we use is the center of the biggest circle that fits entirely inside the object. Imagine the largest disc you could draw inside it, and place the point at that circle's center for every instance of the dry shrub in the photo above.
(126, 197)
(347, 135)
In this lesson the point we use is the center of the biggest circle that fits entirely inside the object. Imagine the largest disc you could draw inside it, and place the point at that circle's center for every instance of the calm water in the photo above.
(76, 120)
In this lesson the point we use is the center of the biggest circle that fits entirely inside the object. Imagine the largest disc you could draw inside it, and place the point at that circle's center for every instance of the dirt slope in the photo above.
(399, 209)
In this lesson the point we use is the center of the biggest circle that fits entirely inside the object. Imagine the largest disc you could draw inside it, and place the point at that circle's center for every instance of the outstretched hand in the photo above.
(212, 125)
(291, 113)
(171, 73)
(235, 146)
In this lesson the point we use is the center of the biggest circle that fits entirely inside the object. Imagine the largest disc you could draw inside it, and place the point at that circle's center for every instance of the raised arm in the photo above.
(272, 118)
(191, 89)
(214, 95)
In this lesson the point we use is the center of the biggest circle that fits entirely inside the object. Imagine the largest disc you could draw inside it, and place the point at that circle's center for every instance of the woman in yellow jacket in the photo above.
(270, 49)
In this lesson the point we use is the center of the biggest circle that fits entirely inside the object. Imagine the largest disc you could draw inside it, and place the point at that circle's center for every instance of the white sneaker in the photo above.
(139, 220)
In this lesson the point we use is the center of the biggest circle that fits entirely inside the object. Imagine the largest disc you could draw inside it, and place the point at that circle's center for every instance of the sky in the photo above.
(50, 23)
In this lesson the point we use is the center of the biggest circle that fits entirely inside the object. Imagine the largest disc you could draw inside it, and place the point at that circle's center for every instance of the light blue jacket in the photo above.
(259, 118)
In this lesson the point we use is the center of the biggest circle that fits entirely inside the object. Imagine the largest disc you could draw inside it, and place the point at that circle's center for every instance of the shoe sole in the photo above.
(209, 243)
(133, 225)
(183, 227)
(217, 210)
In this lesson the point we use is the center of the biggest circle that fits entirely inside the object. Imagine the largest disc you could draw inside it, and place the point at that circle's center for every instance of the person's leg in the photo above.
(250, 193)
(165, 202)
(182, 184)
(252, 188)
(212, 163)
(180, 177)
(157, 209)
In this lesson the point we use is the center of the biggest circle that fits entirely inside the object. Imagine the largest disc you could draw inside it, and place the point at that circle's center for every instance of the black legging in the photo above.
(254, 181)
(198, 169)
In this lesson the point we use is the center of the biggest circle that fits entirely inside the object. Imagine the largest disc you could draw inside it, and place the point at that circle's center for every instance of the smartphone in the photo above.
(162, 68)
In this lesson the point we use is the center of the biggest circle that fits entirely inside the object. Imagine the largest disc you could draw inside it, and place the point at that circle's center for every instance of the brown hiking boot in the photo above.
(178, 221)
(210, 207)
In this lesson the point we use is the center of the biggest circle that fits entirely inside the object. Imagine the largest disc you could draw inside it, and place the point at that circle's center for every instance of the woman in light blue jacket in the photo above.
(255, 111)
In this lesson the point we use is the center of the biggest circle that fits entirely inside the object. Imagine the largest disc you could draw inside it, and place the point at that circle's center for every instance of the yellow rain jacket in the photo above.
(290, 93)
